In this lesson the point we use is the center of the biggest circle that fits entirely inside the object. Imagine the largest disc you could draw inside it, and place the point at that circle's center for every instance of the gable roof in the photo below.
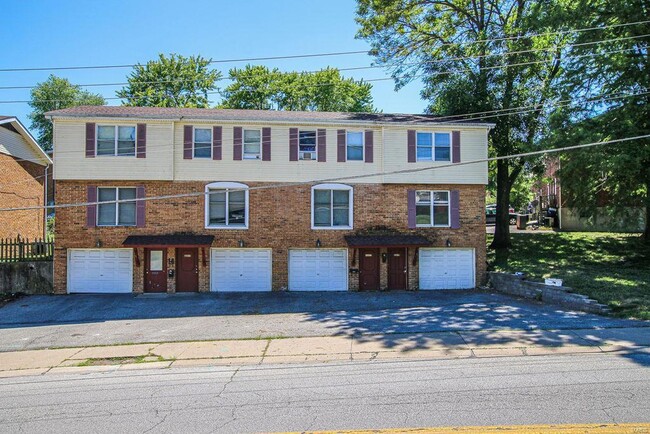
(171, 113)
(12, 124)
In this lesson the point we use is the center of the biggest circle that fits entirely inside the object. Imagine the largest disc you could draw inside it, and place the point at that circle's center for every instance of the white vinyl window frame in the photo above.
(225, 186)
(315, 151)
(433, 146)
(116, 140)
(332, 187)
(363, 145)
(249, 156)
(117, 207)
(194, 142)
(432, 205)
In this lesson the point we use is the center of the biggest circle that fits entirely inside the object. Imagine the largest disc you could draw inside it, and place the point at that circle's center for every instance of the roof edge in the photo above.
(29, 138)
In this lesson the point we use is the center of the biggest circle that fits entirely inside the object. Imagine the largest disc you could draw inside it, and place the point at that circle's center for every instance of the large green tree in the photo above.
(611, 178)
(53, 94)
(170, 81)
(258, 87)
(474, 56)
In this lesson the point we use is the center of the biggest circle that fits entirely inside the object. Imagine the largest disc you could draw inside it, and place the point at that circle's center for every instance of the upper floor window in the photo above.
(432, 208)
(307, 145)
(116, 214)
(226, 205)
(331, 206)
(252, 144)
(433, 146)
(354, 142)
(115, 140)
(202, 142)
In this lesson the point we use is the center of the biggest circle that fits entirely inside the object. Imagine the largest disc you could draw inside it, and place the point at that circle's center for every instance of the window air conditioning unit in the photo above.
(306, 155)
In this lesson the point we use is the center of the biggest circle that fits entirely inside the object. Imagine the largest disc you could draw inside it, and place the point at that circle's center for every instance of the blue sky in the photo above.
(69, 33)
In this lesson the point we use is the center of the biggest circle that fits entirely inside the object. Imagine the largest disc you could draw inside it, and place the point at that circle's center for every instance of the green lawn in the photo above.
(611, 268)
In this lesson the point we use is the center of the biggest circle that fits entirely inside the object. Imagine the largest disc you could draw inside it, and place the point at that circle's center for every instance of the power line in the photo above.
(327, 180)
(342, 53)
(380, 79)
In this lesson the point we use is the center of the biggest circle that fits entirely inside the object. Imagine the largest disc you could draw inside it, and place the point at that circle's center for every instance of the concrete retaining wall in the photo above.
(560, 295)
(26, 277)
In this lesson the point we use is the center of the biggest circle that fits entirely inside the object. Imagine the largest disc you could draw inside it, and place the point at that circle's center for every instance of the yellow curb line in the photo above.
(625, 428)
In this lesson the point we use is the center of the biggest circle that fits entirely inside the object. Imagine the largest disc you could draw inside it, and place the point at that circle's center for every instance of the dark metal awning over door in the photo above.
(366, 241)
(163, 241)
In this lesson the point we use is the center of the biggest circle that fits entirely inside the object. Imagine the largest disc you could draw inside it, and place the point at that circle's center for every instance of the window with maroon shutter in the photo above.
(293, 144)
(237, 143)
(322, 146)
(340, 146)
(266, 144)
(369, 144)
(216, 143)
(455, 209)
(141, 136)
(432, 208)
(188, 131)
(140, 206)
(455, 146)
(412, 223)
(91, 210)
(410, 140)
(90, 140)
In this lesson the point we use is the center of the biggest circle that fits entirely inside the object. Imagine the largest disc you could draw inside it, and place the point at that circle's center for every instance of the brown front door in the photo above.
(155, 270)
(396, 268)
(187, 270)
(369, 269)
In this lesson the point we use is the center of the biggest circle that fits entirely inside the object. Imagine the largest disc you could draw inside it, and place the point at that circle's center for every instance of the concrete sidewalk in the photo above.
(461, 344)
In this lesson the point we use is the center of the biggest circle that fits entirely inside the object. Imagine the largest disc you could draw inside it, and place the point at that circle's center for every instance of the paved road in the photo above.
(551, 389)
(82, 320)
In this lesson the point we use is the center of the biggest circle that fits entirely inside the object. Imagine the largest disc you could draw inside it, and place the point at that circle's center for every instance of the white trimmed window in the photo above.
(433, 146)
(307, 145)
(226, 205)
(116, 214)
(115, 140)
(432, 208)
(202, 143)
(354, 146)
(331, 206)
(252, 144)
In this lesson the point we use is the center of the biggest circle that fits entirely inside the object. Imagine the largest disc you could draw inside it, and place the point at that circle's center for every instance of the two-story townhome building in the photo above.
(176, 200)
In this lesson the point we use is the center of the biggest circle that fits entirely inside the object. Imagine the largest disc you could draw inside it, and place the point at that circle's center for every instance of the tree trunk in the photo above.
(646, 231)
(502, 226)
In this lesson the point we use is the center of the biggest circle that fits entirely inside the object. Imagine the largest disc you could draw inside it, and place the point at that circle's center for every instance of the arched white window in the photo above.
(331, 206)
(226, 205)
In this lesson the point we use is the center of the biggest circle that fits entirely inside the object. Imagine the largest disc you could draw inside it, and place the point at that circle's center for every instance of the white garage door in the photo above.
(100, 270)
(318, 270)
(446, 268)
(240, 270)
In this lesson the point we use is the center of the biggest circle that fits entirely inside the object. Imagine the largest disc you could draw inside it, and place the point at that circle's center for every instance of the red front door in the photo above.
(155, 270)
(369, 269)
(396, 268)
(187, 270)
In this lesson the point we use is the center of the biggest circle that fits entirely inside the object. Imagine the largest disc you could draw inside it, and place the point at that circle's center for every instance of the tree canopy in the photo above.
(261, 88)
(53, 94)
(173, 81)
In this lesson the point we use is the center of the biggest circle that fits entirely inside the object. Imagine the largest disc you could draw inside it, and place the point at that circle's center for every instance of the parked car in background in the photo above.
(491, 214)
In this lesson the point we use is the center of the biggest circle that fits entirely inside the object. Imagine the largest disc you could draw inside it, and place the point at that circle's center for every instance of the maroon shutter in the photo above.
(411, 145)
(91, 210)
(187, 142)
(141, 148)
(216, 143)
(237, 143)
(340, 146)
(90, 140)
(411, 208)
(454, 203)
(455, 146)
(322, 145)
(369, 146)
(266, 144)
(293, 144)
(139, 206)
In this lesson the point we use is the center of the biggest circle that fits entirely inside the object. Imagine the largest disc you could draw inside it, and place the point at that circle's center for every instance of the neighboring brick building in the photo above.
(257, 201)
(23, 181)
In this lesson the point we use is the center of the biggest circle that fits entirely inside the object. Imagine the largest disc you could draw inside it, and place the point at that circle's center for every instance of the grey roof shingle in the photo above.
(255, 115)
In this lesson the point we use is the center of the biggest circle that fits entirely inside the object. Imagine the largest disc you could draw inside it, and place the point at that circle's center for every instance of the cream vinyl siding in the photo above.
(473, 146)
(279, 169)
(15, 145)
(70, 160)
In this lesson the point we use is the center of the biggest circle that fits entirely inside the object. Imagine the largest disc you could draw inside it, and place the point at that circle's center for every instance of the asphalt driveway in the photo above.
(81, 320)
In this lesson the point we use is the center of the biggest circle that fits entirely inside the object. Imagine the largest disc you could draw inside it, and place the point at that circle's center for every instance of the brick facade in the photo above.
(21, 185)
(279, 218)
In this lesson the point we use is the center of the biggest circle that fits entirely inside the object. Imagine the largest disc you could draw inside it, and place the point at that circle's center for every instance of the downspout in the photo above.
(45, 185)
